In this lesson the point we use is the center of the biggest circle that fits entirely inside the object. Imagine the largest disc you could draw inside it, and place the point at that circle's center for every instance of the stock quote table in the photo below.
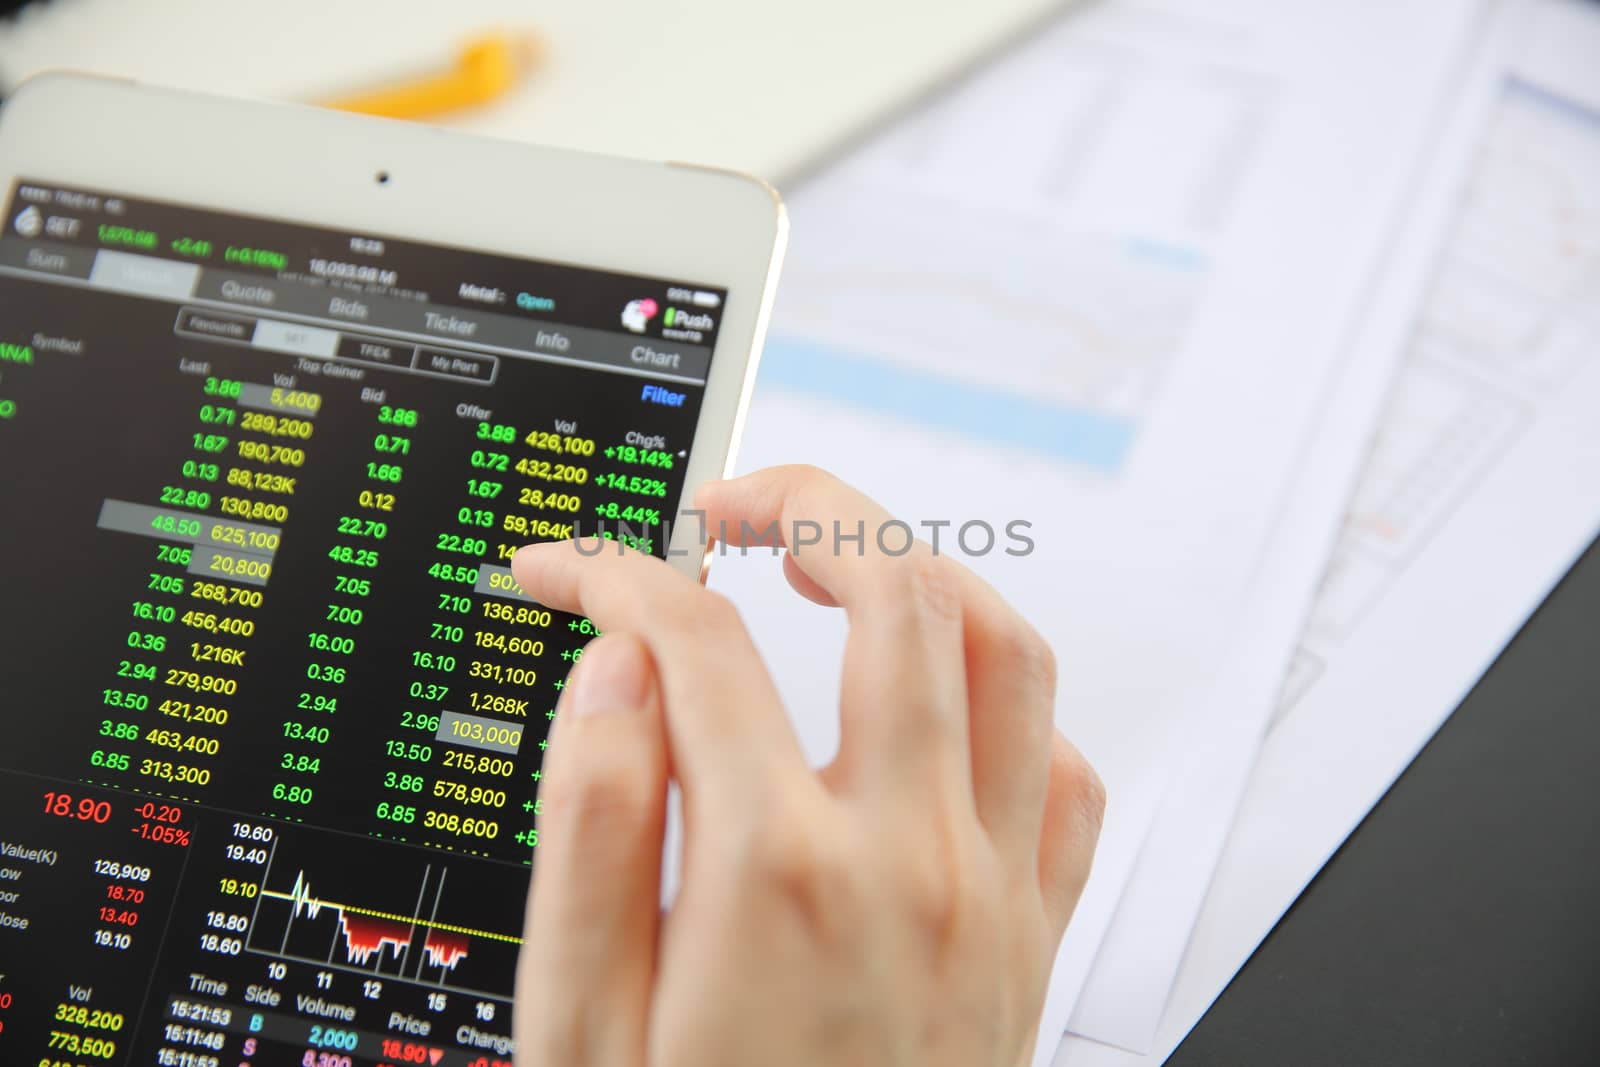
(275, 706)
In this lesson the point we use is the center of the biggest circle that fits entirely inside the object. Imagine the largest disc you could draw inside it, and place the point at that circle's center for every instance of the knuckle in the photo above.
(710, 614)
(807, 474)
(1027, 653)
(1094, 799)
(1086, 793)
(806, 867)
(600, 798)
(937, 587)
(786, 853)
(802, 482)
(695, 613)
(941, 896)
(923, 587)
(930, 899)
(939, 872)
(718, 609)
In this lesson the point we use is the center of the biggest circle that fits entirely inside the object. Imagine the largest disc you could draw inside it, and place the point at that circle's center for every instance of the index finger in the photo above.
(1010, 670)
(726, 729)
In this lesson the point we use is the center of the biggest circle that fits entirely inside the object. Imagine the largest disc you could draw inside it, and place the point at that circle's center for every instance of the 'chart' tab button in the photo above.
(645, 356)
(456, 365)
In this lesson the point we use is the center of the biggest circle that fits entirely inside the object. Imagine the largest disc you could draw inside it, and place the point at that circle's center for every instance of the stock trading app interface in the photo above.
(271, 705)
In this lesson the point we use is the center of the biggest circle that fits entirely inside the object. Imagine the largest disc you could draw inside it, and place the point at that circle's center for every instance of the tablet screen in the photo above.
(273, 704)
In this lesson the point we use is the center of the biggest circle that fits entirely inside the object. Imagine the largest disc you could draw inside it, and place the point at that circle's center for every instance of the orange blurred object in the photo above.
(485, 69)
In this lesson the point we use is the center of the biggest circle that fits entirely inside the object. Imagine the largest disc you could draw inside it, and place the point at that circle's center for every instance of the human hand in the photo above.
(899, 907)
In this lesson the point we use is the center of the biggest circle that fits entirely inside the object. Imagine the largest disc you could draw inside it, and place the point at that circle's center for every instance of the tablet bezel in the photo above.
(411, 182)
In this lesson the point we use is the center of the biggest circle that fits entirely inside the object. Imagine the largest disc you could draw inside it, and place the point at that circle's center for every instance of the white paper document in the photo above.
(1122, 1000)
(1483, 486)
(1100, 288)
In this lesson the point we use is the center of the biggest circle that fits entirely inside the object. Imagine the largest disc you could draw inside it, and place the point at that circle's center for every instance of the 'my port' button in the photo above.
(462, 365)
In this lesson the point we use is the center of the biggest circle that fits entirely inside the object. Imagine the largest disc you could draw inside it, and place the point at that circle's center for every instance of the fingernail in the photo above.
(613, 675)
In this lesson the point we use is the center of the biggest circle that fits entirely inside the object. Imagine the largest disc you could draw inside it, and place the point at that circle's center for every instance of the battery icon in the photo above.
(703, 299)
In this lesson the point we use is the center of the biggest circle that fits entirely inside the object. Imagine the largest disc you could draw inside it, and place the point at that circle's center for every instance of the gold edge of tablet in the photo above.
(758, 339)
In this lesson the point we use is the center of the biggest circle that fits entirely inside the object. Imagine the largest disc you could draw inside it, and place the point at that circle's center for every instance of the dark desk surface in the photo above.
(1460, 924)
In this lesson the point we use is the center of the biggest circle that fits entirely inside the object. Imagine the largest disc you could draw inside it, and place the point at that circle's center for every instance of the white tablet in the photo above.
(280, 392)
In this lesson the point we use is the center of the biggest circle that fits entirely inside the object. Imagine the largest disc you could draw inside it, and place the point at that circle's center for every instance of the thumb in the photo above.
(588, 958)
